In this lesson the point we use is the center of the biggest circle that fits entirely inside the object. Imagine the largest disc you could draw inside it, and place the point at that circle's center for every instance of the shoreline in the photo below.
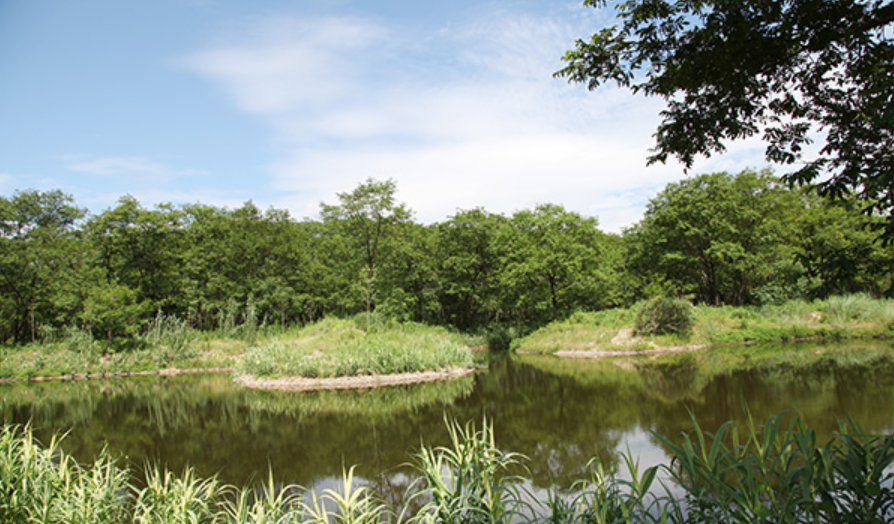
(167, 372)
(598, 353)
(278, 384)
(350, 382)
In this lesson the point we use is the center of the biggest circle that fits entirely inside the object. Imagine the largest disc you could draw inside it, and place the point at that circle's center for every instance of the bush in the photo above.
(665, 315)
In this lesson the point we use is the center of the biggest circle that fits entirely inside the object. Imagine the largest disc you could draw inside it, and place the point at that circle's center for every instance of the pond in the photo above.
(557, 412)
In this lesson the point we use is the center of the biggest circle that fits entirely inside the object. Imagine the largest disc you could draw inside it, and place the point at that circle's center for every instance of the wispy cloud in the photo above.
(150, 181)
(288, 64)
(132, 167)
(464, 114)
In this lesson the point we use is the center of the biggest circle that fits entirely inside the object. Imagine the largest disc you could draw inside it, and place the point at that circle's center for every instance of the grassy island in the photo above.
(330, 348)
(336, 348)
(614, 332)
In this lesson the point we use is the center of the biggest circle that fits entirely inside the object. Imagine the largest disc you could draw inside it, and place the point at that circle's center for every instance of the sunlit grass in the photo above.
(838, 318)
(337, 347)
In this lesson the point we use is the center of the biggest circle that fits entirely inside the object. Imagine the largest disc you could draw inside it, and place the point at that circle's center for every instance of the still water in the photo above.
(557, 412)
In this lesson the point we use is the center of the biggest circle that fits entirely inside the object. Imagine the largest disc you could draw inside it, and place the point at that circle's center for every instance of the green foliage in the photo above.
(246, 272)
(716, 236)
(780, 473)
(40, 261)
(469, 268)
(114, 311)
(785, 69)
(469, 481)
(664, 316)
(550, 264)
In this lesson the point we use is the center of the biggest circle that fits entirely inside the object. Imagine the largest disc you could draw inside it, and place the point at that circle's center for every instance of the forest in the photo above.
(714, 239)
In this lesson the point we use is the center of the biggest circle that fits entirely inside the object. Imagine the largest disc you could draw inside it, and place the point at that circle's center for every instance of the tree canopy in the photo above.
(791, 71)
(719, 238)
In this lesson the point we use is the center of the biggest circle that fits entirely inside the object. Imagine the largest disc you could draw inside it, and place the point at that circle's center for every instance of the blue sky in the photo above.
(289, 102)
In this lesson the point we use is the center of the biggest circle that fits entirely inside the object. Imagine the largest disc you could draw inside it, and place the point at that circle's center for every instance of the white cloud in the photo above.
(462, 115)
(130, 167)
(286, 63)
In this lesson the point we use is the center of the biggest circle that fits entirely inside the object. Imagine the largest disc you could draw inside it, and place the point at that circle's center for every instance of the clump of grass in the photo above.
(469, 481)
(858, 307)
(335, 348)
(607, 497)
(778, 472)
(351, 505)
(43, 484)
(79, 340)
(170, 498)
(170, 337)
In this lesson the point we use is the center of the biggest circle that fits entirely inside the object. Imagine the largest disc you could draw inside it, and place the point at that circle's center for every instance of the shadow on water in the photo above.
(557, 412)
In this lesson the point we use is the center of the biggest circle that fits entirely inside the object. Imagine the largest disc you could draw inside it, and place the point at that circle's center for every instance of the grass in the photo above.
(776, 471)
(838, 318)
(338, 347)
(167, 342)
(332, 347)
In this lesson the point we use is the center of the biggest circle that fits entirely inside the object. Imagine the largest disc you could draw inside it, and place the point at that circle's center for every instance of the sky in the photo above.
(288, 103)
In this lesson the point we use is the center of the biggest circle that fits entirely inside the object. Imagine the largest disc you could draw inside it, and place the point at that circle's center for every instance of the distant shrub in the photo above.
(665, 315)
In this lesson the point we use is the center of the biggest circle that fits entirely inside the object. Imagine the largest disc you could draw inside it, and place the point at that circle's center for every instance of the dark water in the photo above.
(557, 412)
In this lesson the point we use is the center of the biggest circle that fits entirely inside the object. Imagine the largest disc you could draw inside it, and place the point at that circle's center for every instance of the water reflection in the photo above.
(558, 412)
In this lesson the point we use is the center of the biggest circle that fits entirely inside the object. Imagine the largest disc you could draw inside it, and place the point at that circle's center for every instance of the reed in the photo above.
(469, 481)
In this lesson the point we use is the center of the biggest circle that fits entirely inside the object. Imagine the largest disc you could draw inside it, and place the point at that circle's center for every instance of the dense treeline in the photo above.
(716, 239)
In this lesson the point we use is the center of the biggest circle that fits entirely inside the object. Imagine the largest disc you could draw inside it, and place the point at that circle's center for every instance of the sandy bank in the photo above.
(596, 353)
(354, 382)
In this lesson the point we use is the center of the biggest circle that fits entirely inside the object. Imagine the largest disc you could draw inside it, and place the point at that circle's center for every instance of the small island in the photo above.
(344, 354)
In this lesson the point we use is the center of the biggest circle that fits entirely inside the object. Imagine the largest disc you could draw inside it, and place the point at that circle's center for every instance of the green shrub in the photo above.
(664, 316)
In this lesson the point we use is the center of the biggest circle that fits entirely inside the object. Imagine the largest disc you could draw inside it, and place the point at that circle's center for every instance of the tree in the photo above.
(469, 266)
(39, 256)
(368, 218)
(716, 236)
(790, 70)
(244, 253)
(550, 263)
(838, 251)
(141, 249)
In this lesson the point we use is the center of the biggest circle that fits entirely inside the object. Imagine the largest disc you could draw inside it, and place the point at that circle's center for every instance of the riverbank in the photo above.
(611, 333)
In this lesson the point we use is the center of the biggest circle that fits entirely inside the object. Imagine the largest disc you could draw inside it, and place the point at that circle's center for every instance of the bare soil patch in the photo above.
(627, 352)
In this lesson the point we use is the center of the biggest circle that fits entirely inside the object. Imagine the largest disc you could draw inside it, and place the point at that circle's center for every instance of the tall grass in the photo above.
(469, 481)
(775, 472)
(336, 347)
